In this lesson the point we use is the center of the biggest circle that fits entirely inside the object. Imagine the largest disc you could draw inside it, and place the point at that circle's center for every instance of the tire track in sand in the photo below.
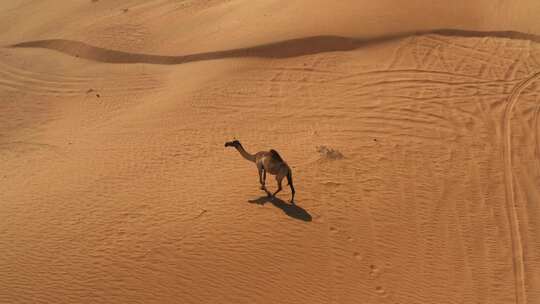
(536, 140)
(515, 237)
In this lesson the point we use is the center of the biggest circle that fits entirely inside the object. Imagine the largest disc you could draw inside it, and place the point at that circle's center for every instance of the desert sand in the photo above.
(116, 187)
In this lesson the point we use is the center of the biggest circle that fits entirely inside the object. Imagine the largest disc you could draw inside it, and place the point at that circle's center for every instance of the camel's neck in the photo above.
(245, 154)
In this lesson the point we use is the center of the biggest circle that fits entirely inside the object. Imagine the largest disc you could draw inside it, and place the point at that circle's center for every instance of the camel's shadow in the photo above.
(293, 211)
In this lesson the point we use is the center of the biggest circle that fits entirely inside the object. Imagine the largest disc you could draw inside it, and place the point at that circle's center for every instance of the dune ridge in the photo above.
(282, 49)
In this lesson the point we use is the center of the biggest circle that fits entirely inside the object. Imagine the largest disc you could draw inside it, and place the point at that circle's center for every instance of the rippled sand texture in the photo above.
(412, 131)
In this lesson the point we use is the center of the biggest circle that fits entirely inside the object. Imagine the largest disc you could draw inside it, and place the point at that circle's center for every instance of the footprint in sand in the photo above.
(381, 291)
(373, 270)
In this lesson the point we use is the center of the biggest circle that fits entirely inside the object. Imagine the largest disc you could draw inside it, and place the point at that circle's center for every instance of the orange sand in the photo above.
(115, 186)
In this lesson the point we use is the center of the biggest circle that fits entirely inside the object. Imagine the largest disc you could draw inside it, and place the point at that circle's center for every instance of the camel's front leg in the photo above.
(262, 176)
(260, 169)
(262, 179)
(263, 187)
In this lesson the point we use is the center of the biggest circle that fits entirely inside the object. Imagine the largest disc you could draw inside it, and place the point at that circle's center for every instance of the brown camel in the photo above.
(267, 161)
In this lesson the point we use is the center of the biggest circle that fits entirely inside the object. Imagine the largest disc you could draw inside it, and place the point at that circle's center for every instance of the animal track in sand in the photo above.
(373, 270)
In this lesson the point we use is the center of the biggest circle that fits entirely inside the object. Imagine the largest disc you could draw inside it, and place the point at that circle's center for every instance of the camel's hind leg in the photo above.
(289, 179)
(279, 179)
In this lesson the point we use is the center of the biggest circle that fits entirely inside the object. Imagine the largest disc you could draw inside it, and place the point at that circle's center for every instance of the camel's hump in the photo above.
(276, 155)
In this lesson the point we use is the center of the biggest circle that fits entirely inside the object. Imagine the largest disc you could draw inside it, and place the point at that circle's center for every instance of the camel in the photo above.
(267, 162)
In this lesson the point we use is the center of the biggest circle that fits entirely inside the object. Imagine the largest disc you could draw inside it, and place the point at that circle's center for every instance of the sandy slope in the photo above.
(116, 188)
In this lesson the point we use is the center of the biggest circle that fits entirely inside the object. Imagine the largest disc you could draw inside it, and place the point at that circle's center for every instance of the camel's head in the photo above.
(235, 143)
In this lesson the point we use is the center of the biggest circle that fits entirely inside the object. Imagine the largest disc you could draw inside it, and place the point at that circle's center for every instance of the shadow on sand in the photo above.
(293, 211)
(281, 49)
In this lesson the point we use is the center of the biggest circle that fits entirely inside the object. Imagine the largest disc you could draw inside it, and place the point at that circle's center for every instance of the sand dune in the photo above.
(283, 49)
(411, 129)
